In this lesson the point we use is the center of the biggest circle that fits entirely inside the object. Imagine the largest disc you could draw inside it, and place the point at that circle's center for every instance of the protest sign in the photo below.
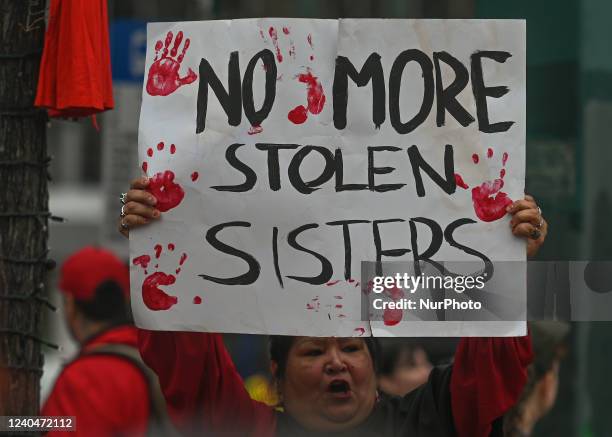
(283, 152)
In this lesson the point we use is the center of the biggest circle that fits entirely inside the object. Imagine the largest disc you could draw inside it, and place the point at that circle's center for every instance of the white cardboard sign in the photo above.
(284, 152)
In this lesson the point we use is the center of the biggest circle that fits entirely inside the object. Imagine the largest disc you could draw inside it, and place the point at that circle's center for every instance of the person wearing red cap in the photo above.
(106, 387)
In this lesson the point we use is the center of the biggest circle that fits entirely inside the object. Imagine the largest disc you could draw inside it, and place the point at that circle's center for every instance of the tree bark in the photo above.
(23, 206)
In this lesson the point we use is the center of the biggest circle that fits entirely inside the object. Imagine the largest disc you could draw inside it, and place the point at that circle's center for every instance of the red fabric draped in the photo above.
(75, 73)
(488, 377)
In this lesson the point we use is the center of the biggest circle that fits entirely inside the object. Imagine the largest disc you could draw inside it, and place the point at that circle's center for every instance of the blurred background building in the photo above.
(569, 156)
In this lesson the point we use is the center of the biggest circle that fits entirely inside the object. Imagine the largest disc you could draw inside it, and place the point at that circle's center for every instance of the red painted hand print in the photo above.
(335, 307)
(393, 316)
(489, 201)
(272, 31)
(168, 193)
(153, 296)
(315, 98)
(164, 76)
(315, 95)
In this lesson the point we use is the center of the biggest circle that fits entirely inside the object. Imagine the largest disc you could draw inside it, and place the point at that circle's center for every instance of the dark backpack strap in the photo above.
(159, 422)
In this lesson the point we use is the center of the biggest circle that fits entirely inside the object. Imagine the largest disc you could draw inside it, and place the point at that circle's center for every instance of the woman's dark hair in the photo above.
(280, 345)
(108, 304)
(513, 416)
(535, 372)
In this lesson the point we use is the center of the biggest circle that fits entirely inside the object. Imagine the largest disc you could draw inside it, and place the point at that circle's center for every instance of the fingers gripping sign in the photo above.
(139, 208)
(527, 221)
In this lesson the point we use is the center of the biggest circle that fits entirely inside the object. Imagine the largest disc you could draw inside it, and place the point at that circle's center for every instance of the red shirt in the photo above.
(108, 395)
(205, 394)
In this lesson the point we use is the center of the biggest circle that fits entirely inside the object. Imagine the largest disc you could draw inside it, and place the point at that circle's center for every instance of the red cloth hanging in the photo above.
(75, 73)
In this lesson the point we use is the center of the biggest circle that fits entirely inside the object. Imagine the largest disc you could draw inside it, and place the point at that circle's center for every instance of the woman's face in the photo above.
(329, 383)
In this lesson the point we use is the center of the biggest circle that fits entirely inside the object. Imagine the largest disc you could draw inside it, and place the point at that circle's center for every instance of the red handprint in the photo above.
(154, 297)
(315, 98)
(167, 192)
(489, 201)
(274, 36)
(164, 72)
(393, 316)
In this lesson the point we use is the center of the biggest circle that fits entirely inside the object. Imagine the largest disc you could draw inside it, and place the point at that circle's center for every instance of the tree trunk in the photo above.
(23, 206)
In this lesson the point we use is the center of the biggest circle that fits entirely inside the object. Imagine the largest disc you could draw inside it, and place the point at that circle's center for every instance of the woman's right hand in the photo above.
(139, 208)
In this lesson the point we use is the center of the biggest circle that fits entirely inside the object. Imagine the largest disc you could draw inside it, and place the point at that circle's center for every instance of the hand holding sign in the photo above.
(527, 222)
(139, 207)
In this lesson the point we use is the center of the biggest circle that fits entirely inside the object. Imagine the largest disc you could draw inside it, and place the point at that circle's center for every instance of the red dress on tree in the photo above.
(75, 77)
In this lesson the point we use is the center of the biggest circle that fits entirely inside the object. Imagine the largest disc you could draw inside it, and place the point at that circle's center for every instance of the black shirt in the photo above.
(424, 412)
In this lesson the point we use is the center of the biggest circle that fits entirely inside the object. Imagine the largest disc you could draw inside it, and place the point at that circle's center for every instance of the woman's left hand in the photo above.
(527, 221)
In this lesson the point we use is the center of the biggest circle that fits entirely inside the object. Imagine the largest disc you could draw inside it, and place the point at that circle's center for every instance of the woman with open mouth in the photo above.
(327, 386)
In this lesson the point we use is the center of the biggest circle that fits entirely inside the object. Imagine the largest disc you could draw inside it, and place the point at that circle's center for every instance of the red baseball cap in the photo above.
(86, 269)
